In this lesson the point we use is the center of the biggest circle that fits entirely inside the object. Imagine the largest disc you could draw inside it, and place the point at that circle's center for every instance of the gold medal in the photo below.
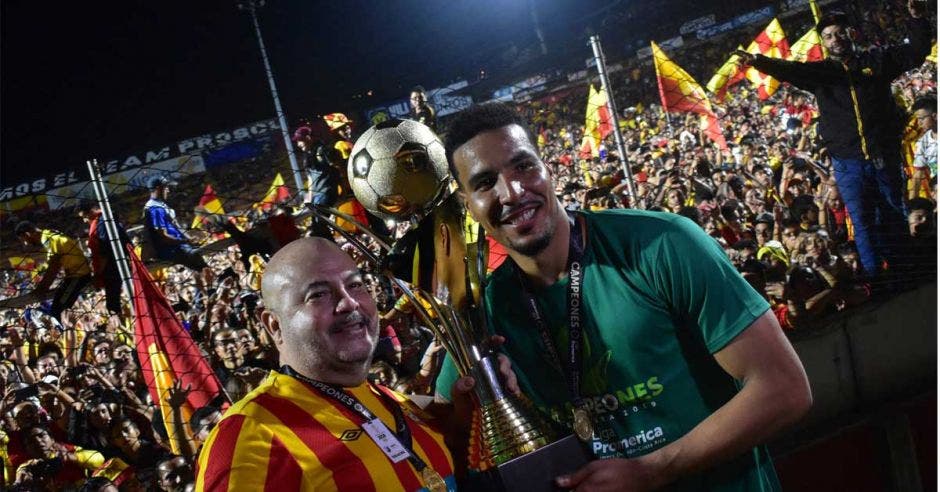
(432, 480)
(582, 424)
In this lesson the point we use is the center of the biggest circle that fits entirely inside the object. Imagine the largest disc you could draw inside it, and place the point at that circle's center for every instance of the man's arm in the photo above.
(157, 221)
(176, 397)
(53, 265)
(806, 76)
(775, 394)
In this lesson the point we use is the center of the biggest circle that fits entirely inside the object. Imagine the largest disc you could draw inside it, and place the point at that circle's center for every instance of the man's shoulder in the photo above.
(153, 202)
(640, 222)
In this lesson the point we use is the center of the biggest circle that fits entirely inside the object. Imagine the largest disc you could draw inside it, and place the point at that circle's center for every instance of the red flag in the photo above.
(277, 193)
(597, 121)
(166, 351)
(808, 48)
(209, 204)
(771, 42)
(729, 74)
(680, 93)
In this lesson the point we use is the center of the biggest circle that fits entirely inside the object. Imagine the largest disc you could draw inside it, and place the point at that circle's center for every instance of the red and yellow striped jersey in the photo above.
(286, 436)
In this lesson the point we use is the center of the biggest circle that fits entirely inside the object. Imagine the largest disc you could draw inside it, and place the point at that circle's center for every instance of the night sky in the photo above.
(101, 79)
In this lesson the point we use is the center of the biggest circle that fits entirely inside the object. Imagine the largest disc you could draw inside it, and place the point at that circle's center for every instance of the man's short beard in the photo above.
(537, 245)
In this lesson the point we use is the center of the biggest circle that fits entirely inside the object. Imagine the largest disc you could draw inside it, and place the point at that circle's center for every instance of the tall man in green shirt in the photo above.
(630, 326)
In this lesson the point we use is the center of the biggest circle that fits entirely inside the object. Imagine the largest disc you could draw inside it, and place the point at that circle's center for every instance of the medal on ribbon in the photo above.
(433, 480)
(583, 427)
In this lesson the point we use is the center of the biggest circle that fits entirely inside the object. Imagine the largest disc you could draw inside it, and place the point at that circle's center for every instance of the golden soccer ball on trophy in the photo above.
(398, 169)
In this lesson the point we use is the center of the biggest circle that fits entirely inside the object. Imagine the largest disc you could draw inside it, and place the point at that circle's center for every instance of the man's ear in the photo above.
(272, 326)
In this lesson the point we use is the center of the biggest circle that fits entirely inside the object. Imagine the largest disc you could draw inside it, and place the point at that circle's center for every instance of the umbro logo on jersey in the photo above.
(350, 435)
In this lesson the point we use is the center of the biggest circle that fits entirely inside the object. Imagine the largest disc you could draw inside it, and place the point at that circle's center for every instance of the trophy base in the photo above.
(535, 471)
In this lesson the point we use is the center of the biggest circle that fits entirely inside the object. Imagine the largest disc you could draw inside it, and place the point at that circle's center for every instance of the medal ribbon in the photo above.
(338, 394)
(571, 370)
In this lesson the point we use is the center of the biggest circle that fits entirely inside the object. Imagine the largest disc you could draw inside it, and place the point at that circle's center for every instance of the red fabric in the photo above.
(605, 124)
(94, 245)
(839, 215)
(674, 101)
(312, 433)
(389, 331)
(728, 234)
(713, 132)
(283, 228)
(780, 311)
(155, 324)
(766, 44)
(284, 473)
(739, 75)
(497, 254)
(222, 453)
(207, 196)
(16, 449)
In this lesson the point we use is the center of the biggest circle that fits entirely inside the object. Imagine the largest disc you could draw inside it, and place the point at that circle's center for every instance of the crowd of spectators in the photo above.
(76, 412)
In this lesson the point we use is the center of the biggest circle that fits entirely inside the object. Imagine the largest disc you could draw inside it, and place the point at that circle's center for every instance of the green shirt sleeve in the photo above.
(702, 286)
(446, 378)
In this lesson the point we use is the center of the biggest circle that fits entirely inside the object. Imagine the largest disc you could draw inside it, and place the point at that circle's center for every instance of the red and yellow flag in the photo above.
(22, 263)
(680, 93)
(166, 351)
(209, 204)
(597, 120)
(276, 194)
(772, 43)
(588, 148)
(808, 48)
(729, 74)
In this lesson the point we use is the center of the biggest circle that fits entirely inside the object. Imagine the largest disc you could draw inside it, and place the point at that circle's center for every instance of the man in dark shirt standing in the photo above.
(421, 111)
(323, 177)
(861, 124)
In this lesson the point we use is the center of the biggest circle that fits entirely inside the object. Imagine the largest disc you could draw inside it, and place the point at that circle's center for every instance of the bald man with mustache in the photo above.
(317, 422)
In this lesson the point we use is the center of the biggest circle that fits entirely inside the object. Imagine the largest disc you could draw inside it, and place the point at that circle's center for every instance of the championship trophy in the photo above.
(398, 170)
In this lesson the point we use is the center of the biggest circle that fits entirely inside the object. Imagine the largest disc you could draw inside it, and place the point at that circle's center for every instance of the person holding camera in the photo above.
(53, 465)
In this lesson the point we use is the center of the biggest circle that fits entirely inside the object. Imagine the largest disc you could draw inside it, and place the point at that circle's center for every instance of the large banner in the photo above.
(190, 146)
(126, 180)
(647, 52)
(739, 21)
(698, 24)
(442, 99)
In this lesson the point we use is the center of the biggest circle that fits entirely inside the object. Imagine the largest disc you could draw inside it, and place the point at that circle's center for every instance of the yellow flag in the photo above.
(807, 48)
(729, 74)
(772, 43)
(597, 121)
(817, 14)
(277, 193)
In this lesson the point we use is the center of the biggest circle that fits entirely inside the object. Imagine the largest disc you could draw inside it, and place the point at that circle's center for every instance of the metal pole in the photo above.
(612, 108)
(252, 7)
(117, 249)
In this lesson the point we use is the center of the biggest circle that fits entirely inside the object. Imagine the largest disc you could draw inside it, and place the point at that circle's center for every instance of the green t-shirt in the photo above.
(659, 298)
